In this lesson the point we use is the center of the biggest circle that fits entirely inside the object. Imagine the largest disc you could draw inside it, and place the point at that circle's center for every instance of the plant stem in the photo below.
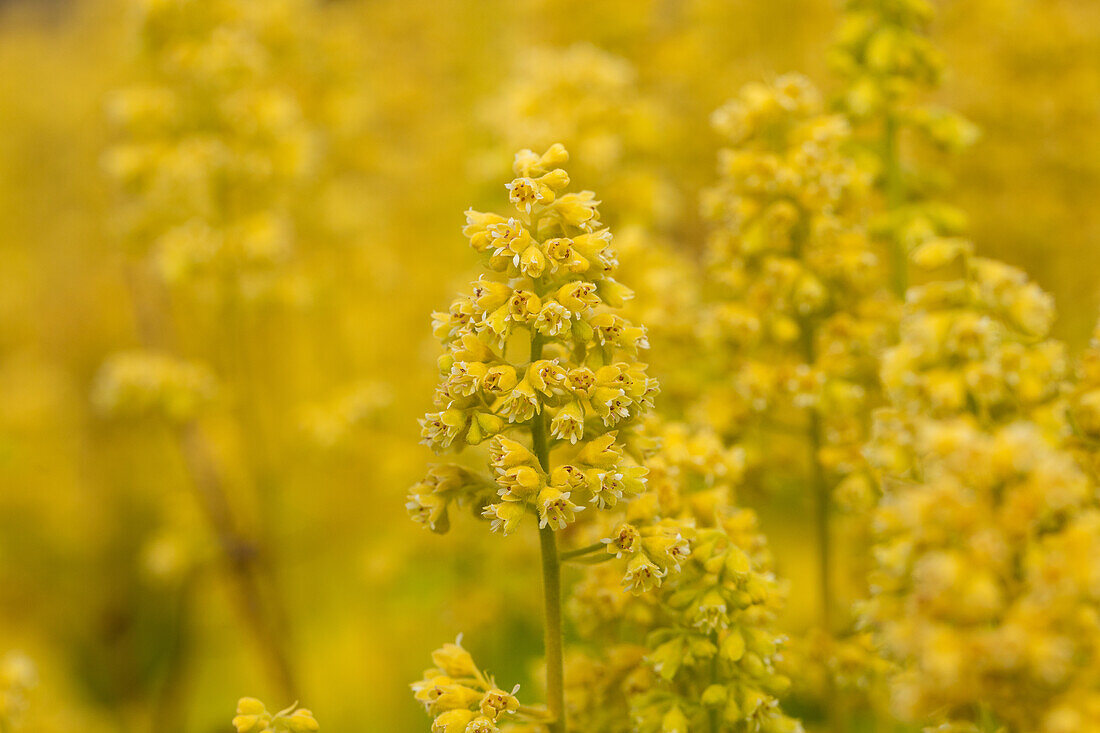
(895, 197)
(551, 580)
(582, 551)
(239, 555)
(820, 489)
(555, 658)
(206, 478)
(821, 501)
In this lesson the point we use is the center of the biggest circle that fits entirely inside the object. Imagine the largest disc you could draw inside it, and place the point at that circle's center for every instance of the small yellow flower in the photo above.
(455, 661)
(555, 508)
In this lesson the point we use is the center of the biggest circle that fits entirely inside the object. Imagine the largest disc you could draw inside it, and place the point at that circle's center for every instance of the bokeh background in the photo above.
(112, 579)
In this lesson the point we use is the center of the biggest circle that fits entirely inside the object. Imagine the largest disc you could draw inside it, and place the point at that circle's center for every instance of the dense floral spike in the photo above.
(708, 645)
(549, 285)
(212, 145)
(800, 313)
(883, 50)
(541, 368)
(976, 591)
(801, 307)
(974, 341)
(253, 717)
(885, 55)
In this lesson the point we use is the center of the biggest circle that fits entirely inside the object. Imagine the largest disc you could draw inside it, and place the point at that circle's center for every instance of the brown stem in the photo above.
(240, 556)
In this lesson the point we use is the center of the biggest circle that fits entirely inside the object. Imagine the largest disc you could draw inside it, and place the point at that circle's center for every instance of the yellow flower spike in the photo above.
(549, 280)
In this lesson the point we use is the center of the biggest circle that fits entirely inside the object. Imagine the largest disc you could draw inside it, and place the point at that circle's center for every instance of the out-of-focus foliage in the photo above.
(223, 224)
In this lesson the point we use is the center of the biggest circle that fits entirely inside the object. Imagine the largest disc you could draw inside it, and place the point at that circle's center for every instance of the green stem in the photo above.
(820, 490)
(895, 197)
(821, 500)
(532, 712)
(551, 581)
(581, 551)
(555, 657)
(239, 555)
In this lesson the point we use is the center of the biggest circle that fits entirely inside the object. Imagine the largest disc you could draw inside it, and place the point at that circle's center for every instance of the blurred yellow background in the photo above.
(111, 577)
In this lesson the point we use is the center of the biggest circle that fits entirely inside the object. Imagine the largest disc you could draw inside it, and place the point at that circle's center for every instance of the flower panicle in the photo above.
(536, 351)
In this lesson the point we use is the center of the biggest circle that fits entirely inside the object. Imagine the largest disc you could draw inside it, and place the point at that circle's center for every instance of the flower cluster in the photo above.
(461, 698)
(974, 341)
(692, 481)
(883, 51)
(713, 649)
(884, 54)
(708, 644)
(976, 592)
(801, 310)
(209, 195)
(709, 648)
(253, 717)
(139, 384)
(536, 349)
(985, 584)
